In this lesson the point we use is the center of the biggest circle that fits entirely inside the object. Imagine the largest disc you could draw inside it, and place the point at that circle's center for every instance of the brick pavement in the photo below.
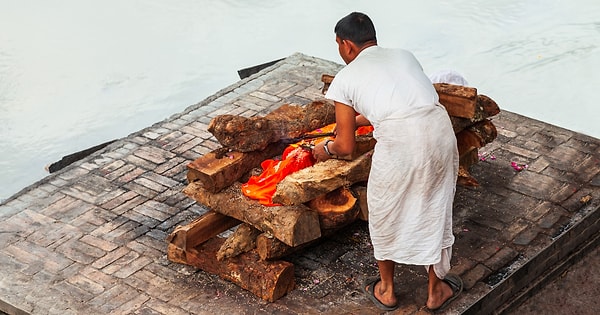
(91, 237)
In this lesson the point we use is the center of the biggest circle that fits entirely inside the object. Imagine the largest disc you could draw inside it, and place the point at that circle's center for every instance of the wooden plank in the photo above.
(217, 170)
(293, 225)
(460, 101)
(269, 280)
(311, 182)
(200, 230)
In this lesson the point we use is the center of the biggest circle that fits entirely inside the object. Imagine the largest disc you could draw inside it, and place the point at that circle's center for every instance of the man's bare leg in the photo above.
(438, 291)
(384, 289)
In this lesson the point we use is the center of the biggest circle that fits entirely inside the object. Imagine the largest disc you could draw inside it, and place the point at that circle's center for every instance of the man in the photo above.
(415, 162)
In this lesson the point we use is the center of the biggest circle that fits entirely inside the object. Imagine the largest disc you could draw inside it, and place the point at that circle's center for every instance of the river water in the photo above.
(77, 73)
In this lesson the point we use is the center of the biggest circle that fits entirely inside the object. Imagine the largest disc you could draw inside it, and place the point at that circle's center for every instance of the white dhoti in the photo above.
(411, 188)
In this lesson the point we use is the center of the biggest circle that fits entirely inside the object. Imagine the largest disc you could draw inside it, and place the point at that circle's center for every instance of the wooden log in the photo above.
(336, 208)
(256, 133)
(485, 108)
(270, 248)
(293, 225)
(469, 158)
(176, 254)
(361, 192)
(460, 101)
(311, 182)
(200, 230)
(465, 161)
(469, 141)
(465, 178)
(269, 280)
(241, 241)
(488, 107)
(217, 169)
(476, 136)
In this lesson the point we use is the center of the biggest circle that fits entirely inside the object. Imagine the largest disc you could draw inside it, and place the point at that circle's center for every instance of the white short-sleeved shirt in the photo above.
(380, 82)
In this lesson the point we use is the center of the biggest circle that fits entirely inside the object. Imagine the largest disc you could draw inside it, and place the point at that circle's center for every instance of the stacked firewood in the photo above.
(314, 202)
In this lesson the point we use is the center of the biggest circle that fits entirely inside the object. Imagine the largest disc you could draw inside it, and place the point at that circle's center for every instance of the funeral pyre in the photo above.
(264, 184)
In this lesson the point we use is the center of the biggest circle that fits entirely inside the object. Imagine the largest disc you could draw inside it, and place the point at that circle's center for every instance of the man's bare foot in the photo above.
(439, 295)
(382, 297)
(444, 292)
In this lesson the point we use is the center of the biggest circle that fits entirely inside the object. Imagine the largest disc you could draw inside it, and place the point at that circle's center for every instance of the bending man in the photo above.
(415, 162)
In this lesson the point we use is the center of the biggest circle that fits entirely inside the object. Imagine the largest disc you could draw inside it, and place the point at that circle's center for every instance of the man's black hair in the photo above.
(356, 27)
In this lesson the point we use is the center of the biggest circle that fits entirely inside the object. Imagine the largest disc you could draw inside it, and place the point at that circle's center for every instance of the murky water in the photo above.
(76, 73)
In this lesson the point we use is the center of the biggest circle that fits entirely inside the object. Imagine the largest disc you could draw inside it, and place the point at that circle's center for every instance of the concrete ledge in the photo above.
(524, 279)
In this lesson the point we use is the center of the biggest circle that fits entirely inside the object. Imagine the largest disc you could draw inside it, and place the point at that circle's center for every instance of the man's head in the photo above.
(354, 33)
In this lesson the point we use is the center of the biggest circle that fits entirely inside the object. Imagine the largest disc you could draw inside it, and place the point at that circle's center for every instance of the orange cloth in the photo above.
(263, 187)
(294, 158)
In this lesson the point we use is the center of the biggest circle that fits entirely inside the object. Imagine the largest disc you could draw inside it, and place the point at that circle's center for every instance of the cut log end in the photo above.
(336, 209)
(241, 241)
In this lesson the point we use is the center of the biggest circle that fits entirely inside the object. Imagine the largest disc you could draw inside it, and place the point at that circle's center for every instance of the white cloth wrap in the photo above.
(411, 186)
(413, 173)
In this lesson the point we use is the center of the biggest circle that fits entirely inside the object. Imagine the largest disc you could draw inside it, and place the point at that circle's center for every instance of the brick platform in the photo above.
(91, 237)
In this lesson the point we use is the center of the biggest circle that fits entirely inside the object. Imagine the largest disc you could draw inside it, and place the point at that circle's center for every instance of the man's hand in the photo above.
(319, 153)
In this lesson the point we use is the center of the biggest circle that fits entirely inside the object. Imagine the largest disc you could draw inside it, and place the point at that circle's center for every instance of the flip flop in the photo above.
(369, 289)
(456, 284)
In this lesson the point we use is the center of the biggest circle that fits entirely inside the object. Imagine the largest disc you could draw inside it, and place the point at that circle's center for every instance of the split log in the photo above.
(488, 105)
(311, 182)
(460, 101)
(200, 230)
(361, 193)
(269, 280)
(256, 133)
(217, 169)
(464, 176)
(485, 108)
(270, 248)
(336, 209)
(293, 225)
(176, 254)
(241, 241)
(467, 159)
(476, 136)
(469, 141)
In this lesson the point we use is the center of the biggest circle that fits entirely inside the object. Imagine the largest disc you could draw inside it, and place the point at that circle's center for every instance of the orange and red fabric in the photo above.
(294, 158)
